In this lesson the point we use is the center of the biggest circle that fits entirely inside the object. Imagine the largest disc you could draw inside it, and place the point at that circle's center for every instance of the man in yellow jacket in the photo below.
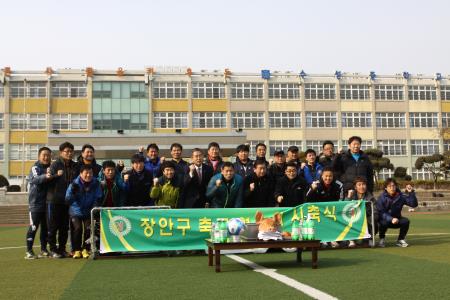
(167, 189)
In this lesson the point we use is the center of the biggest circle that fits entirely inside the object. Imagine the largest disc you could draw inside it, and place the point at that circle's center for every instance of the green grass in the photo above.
(420, 271)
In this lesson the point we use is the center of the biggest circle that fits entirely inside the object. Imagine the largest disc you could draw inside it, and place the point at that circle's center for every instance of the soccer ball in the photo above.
(235, 226)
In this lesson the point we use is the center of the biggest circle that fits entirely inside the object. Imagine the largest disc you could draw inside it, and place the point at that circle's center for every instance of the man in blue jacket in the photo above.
(225, 190)
(83, 194)
(37, 195)
(389, 206)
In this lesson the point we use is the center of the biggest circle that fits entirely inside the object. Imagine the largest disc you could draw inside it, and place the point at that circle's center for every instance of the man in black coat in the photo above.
(87, 157)
(195, 182)
(61, 175)
(290, 190)
(354, 163)
(259, 187)
(243, 165)
(138, 183)
(277, 168)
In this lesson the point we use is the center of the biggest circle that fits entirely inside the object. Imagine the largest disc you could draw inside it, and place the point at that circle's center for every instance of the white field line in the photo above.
(306, 289)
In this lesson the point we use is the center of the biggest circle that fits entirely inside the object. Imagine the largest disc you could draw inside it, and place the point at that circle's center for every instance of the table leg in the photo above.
(299, 255)
(210, 256)
(217, 254)
(314, 257)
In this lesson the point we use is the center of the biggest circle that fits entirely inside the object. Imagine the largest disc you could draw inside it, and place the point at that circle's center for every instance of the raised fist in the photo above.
(280, 199)
(191, 168)
(350, 193)
(60, 173)
(141, 149)
(162, 159)
(252, 186)
(155, 181)
(126, 177)
(218, 182)
(315, 184)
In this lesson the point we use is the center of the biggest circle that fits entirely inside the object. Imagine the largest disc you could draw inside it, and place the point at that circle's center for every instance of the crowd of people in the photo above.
(63, 192)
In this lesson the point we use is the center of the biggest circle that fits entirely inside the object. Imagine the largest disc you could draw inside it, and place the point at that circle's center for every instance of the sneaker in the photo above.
(324, 245)
(381, 243)
(334, 245)
(371, 243)
(30, 255)
(85, 253)
(54, 254)
(351, 244)
(402, 243)
(44, 254)
(77, 254)
(64, 254)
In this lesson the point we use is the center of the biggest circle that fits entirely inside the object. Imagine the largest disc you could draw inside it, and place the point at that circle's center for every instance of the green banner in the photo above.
(135, 230)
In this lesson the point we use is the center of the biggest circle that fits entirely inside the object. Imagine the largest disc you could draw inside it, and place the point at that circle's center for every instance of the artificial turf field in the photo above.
(421, 271)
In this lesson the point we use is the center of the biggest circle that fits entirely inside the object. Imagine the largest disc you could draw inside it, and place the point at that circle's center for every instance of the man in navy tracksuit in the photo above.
(389, 206)
(36, 197)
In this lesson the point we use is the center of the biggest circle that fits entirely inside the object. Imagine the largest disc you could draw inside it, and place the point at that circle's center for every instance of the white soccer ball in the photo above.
(235, 226)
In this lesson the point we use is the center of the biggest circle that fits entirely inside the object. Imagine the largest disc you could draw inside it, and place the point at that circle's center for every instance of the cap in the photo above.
(278, 152)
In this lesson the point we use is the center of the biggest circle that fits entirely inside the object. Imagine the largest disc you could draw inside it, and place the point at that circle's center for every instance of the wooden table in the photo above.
(314, 245)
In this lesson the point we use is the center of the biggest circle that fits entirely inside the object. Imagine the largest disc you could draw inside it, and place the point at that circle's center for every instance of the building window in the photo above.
(284, 91)
(284, 120)
(320, 91)
(71, 89)
(170, 90)
(283, 145)
(446, 145)
(2, 121)
(421, 92)
(247, 90)
(421, 120)
(421, 174)
(321, 120)
(208, 90)
(424, 147)
(21, 89)
(69, 121)
(390, 120)
(366, 144)
(392, 147)
(252, 145)
(388, 92)
(385, 174)
(2, 152)
(2, 91)
(170, 120)
(247, 120)
(119, 121)
(16, 151)
(316, 145)
(119, 106)
(356, 119)
(28, 121)
(209, 120)
(354, 92)
(445, 92)
(445, 120)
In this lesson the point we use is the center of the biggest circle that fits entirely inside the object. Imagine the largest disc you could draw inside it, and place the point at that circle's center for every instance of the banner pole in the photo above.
(372, 216)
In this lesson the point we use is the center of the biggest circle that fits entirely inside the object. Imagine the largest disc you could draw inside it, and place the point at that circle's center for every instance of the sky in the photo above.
(245, 36)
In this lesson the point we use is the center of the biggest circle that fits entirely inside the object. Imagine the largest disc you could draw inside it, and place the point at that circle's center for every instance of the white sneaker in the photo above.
(381, 243)
(402, 243)
(371, 243)
(324, 245)
(334, 245)
(351, 244)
